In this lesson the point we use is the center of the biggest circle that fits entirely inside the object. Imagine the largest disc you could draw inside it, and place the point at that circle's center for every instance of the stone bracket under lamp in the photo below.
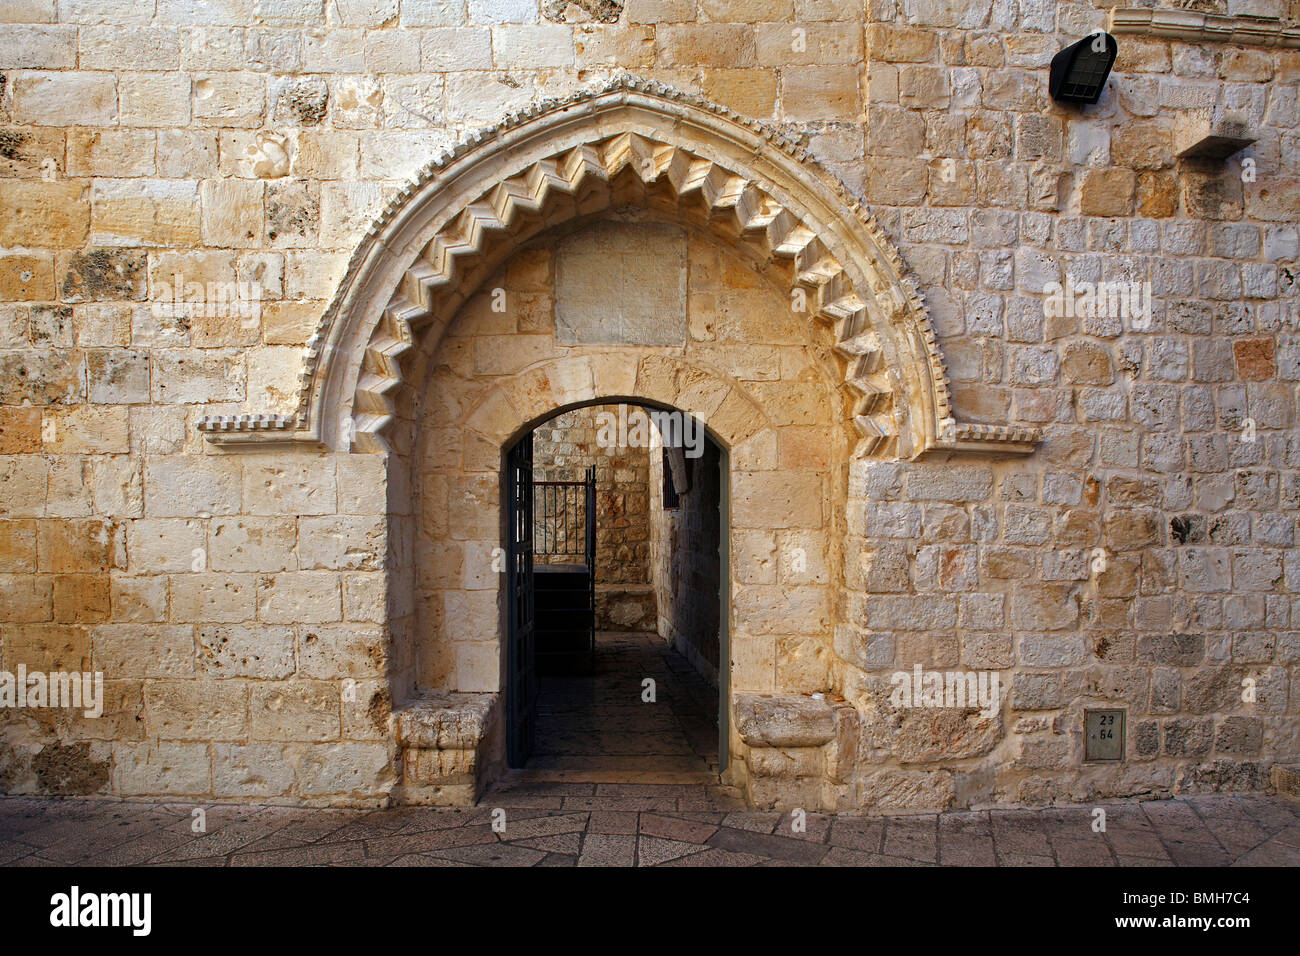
(1211, 141)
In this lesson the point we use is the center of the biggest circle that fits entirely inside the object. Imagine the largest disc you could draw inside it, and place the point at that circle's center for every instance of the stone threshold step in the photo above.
(614, 776)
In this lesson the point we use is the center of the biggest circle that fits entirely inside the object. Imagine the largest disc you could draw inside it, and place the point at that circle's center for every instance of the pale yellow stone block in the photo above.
(753, 663)
(737, 419)
(196, 709)
(86, 430)
(143, 212)
(776, 500)
(111, 152)
(495, 418)
(478, 667)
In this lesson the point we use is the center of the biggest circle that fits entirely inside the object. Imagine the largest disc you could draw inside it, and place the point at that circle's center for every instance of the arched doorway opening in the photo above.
(741, 361)
(616, 613)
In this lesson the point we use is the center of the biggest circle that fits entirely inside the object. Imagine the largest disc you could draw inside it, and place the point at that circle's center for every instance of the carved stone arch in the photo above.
(630, 142)
(516, 404)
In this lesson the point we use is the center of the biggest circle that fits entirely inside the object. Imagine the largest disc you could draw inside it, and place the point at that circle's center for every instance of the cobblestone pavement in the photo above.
(567, 824)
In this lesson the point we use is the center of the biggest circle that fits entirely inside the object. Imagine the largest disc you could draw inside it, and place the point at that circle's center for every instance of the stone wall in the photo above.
(234, 604)
(257, 613)
(684, 555)
(563, 449)
(1141, 558)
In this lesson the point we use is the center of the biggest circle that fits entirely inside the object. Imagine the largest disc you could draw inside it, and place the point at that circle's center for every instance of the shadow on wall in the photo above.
(685, 530)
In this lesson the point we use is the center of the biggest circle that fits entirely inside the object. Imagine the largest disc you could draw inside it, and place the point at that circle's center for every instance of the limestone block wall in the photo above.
(1144, 556)
(255, 613)
(686, 567)
(563, 449)
(234, 605)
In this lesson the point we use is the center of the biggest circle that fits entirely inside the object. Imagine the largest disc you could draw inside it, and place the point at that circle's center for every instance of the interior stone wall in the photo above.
(563, 449)
(685, 563)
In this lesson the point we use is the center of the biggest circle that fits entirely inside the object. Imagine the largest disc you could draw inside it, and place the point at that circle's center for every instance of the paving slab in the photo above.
(1210, 830)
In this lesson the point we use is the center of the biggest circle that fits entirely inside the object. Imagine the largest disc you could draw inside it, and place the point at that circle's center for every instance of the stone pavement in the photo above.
(567, 824)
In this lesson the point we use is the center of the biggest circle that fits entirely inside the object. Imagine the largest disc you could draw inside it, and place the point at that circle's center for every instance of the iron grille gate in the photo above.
(564, 529)
(563, 512)
(544, 519)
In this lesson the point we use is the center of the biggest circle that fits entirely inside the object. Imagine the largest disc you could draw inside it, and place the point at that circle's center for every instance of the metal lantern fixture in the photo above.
(1079, 71)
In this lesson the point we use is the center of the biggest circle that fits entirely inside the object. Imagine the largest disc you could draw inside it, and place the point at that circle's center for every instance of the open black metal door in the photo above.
(521, 673)
(590, 518)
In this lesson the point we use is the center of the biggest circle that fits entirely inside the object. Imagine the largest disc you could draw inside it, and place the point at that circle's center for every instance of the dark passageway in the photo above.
(597, 726)
(615, 518)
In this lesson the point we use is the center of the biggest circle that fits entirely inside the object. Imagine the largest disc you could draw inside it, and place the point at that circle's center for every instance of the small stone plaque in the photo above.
(621, 283)
(1103, 734)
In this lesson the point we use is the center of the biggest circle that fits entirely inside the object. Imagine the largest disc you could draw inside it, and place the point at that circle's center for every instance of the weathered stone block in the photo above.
(294, 710)
(1188, 737)
(342, 542)
(216, 598)
(303, 597)
(944, 734)
(331, 652)
(252, 544)
(783, 721)
(251, 770)
(143, 650)
(196, 710)
(345, 768)
(650, 267)
(241, 650)
(184, 486)
(162, 768)
(303, 488)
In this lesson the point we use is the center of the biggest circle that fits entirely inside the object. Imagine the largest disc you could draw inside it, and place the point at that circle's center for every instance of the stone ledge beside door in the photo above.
(801, 750)
(447, 740)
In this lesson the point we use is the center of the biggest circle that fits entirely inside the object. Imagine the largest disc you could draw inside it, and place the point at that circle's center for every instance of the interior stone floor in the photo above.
(596, 727)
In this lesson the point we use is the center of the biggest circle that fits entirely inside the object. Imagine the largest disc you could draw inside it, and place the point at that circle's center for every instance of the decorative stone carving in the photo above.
(1196, 27)
(630, 143)
(246, 424)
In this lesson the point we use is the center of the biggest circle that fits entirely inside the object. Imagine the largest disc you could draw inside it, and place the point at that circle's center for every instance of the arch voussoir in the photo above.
(512, 405)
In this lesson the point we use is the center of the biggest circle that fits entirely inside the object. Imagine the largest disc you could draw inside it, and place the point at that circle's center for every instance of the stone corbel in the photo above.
(796, 743)
(966, 438)
(262, 430)
(446, 742)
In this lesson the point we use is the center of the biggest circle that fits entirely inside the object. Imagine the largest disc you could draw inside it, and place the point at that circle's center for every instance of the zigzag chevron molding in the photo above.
(743, 181)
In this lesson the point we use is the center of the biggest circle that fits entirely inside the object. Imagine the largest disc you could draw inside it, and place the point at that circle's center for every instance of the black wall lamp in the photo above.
(1079, 71)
